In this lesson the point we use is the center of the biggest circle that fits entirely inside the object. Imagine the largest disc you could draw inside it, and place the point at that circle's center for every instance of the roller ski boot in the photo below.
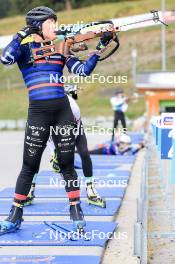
(93, 197)
(31, 196)
(54, 162)
(13, 222)
(76, 215)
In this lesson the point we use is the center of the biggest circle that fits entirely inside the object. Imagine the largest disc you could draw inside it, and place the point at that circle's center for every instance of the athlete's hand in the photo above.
(28, 30)
(104, 41)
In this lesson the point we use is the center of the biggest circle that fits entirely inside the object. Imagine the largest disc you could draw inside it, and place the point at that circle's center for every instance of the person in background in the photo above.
(119, 105)
(122, 146)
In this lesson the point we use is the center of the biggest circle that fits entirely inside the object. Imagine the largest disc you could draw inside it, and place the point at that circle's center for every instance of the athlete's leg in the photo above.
(115, 125)
(65, 146)
(31, 195)
(54, 159)
(36, 136)
(64, 140)
(82, 148)
(123, 121)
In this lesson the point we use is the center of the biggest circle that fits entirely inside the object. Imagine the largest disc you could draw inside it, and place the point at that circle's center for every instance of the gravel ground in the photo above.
(120, 250)
(160, 249)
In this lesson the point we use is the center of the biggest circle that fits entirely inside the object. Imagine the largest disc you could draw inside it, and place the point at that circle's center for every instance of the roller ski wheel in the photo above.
(54, 162)
(93, 198)
(13, 222)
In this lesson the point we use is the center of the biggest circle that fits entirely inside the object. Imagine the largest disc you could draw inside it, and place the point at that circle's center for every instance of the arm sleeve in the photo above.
(12, 52)
(83, 69)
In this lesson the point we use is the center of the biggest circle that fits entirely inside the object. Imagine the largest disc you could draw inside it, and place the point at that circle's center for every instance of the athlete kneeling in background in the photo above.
(122, 146)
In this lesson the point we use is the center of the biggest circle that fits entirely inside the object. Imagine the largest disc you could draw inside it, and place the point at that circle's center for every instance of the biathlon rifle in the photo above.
(85, 33)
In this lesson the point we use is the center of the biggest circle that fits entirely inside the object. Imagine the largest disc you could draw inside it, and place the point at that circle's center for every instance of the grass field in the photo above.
(94, 99)
(92, 13)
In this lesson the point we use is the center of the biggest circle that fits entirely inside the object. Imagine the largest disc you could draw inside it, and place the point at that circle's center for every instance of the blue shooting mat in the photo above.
(116, 192)
(106, 173)
(96, 172)
(39, 234)
(109, 180)
(98, 165)
(136, 137)
(104, 162)
(69, 259)
(60, 208)
(110, 158)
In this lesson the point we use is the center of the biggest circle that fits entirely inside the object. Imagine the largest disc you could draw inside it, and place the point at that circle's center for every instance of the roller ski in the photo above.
(71, 235)
(13, 222)
(54, 162)
(78, 232)
(61, 230)
(93, 198)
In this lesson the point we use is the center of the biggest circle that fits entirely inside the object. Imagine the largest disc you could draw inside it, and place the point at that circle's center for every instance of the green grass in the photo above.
(94, 99)
(93, 13)
(13, 104)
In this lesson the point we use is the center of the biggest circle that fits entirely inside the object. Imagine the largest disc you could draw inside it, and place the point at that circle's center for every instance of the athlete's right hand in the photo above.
(104, 40)
(28, 30)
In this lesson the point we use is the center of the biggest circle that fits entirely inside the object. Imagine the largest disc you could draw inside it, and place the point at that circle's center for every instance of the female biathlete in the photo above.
(81, 144)
(48, 106)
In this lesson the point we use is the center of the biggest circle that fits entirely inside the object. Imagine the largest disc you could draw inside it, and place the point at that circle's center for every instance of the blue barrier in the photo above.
(173, 161)
(163, 131)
